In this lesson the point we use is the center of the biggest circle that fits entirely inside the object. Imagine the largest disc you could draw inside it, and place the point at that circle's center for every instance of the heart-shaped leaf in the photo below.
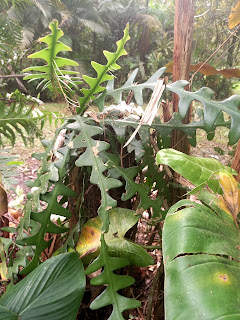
(121, 220)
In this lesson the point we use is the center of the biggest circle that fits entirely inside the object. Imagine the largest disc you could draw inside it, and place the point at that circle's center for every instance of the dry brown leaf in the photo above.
(208, 70)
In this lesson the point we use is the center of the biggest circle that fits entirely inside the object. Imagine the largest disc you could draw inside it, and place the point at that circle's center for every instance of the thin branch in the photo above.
(12, 76)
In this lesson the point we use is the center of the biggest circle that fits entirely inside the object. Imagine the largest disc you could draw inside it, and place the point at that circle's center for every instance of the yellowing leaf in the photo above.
(121, 220)
(234, 17)
(222, 204)
(3, 265)
(3, 201)
(89, 243)
(230, 202)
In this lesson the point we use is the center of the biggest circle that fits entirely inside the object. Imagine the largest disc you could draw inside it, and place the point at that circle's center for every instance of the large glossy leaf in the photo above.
(196, 170)
(202, 287)
(52, 291)
(121, 220)
(201, 255)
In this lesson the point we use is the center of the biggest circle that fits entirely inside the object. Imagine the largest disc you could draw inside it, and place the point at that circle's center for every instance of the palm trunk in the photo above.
(183, 31)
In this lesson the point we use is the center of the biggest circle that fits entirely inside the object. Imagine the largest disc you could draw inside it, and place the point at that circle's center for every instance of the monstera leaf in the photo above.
(53, 291)
(121, 220)
(201, 254)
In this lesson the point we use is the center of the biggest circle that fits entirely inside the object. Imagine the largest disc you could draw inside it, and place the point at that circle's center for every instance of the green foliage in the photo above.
(212, 109)
(113, 281)
(60, 281)
(91, 158)
(200, 247)
(129, 85)
(121, 221)
(52, 75)
(12, 263)
(49, 187)
(133, 178)
(18, 117)
(199, 171)
(103, 72)
(132, 187)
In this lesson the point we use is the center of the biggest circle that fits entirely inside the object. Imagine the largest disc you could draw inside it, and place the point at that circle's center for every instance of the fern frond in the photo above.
(17, 116)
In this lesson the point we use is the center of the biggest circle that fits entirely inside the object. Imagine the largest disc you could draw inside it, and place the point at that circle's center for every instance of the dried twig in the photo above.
(152, 108)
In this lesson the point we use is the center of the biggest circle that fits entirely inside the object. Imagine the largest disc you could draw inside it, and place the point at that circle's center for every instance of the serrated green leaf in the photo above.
(50, 196)
(211, 108)
(114, 283)
(90, 157)
(55, 79)
(133, 187)
(129, 85)
(102, 72)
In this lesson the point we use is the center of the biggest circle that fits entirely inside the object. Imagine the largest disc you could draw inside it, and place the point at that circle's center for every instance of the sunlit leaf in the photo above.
(234, 17)
(197, 170)
(230, 201)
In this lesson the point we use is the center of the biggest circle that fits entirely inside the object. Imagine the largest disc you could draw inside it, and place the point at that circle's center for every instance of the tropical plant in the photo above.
(201, 242)
(18, 116)
(86, 175)
(63, 274)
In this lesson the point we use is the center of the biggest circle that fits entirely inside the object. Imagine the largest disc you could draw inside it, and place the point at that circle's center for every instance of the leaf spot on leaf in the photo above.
(95, 149)
(223, 277)
(70, 145)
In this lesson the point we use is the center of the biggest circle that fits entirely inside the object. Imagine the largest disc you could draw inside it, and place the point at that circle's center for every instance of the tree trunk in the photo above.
(183, 32)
